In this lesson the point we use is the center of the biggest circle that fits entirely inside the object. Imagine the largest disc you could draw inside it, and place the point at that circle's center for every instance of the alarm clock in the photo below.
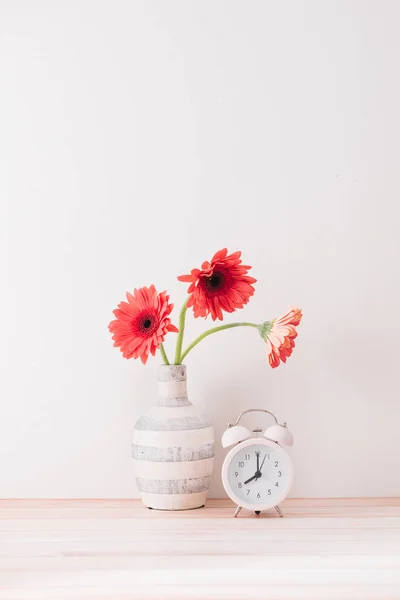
(257, 472)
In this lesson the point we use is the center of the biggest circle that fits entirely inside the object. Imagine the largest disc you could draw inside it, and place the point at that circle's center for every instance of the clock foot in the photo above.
(237, 511)
(278, 510)
(257, 512)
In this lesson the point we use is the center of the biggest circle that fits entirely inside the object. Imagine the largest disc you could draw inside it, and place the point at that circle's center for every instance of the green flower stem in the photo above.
(179, 340)
(214, 330)
(164, 354)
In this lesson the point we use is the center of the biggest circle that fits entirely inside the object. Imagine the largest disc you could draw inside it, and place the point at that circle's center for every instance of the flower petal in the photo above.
(220, 285)
(142, 323)
(280, 336)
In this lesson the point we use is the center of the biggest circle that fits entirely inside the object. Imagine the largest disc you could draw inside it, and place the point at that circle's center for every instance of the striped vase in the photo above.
(173, 447)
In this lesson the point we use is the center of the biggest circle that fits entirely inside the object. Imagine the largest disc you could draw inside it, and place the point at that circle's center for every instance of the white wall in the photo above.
(139, 137)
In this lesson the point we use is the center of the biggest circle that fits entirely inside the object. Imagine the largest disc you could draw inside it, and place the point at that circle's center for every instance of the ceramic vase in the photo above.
(173, 447)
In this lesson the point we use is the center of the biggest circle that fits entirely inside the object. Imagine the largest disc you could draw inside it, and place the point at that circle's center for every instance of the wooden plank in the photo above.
(216, 592)
(141, 513)
(98, 549)
(211, 502)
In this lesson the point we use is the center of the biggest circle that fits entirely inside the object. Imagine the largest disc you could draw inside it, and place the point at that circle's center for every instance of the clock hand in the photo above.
(263, 462)
(257, 474)
(251, 479)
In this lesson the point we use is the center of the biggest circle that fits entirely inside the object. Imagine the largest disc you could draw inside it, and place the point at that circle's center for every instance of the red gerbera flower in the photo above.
(222, 284)
(280, 335)
(142, 323)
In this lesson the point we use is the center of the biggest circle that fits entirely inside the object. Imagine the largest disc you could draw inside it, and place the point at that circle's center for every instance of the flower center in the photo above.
(214, 283)
(147, 324)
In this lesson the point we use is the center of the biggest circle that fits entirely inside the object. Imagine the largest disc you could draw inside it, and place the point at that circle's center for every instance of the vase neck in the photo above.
(172, 390)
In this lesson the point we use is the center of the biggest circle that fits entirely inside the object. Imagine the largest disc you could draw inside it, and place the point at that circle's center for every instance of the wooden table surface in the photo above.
(98, 549)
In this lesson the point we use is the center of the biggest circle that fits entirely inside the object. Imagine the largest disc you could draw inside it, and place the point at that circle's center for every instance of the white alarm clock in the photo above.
(257, 473)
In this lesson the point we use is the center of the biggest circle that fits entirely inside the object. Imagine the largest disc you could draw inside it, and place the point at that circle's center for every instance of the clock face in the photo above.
(257, 474)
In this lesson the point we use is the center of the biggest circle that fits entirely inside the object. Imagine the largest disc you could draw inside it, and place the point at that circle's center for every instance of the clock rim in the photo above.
(228, 487)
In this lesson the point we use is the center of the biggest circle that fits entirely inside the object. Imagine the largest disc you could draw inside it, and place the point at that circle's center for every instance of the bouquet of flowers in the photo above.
(221, 285)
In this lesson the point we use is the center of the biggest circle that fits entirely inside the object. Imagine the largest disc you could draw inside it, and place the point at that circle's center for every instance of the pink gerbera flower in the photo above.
(142, 323)
(280, 335)
(221, 284)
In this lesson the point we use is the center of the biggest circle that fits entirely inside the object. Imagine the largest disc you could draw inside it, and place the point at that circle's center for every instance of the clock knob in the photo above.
(280, 434)
(234, 435)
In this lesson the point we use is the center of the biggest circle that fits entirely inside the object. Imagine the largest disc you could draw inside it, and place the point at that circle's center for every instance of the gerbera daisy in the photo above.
(221, 284)
(142, 323)
(280, 335)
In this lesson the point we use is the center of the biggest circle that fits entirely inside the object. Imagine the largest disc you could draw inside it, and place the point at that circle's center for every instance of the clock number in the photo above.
(258, 495)
(268, 456)
(236, 473)
(239, 485)
(277, 484)
(248, 492)
(269, 492)
(241, 464)
(279, 473)
(276, 463)
(247, 457)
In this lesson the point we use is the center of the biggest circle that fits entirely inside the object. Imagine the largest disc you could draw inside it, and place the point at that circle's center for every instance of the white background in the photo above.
(139, 137)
